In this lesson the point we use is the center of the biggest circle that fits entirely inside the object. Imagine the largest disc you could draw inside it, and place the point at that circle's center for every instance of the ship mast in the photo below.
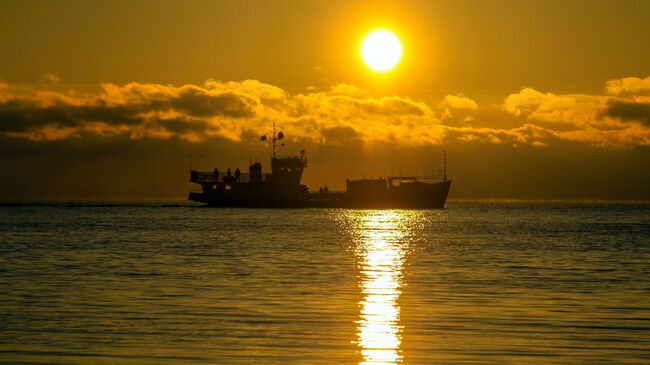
(273, 155)
(277, 137)
(444, 154)
(274, 137)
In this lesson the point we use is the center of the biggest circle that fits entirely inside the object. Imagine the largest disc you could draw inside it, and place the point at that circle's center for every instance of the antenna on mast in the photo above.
(274, 137)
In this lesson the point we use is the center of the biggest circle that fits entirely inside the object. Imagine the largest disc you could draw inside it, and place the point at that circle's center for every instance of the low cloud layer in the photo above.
(629, 86)
(619, 118)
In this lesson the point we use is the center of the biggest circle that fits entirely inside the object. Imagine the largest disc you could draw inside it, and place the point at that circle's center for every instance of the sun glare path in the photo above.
(381, 251)
(381, 50)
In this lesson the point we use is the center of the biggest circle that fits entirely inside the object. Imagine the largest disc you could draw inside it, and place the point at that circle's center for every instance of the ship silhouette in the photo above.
(282, 187)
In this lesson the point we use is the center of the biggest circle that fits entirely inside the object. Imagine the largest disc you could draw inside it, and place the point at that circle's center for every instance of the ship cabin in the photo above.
(286, 173)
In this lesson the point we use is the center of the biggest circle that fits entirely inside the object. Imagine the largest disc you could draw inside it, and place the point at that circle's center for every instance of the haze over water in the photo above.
(475, 283)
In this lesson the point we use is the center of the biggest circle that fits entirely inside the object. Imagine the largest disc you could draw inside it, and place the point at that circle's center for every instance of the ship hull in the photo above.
(226, 201)
(426, 196)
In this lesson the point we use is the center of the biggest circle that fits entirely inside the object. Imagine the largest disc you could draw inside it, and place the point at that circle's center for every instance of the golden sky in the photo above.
(519, 92)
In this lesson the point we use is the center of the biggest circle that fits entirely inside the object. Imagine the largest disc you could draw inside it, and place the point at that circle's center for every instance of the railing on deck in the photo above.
(202, 177)
(437, 174)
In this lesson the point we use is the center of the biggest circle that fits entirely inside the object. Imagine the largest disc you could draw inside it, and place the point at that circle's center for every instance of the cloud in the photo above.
(528, 134)
(196, 102)
(459, 102)
(141, 110)
(553, 108)
(628, 86)
(50, 77)
(214, 109)
(629, 111)
(622, 120)
(340, 135)
(457, 110)
(343, 113)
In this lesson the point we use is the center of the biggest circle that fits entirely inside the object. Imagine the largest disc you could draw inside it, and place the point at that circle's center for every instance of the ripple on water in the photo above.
(509, 283)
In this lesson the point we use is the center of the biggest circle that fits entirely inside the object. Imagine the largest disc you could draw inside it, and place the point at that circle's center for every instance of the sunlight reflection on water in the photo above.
(381, 249)
(473, 284)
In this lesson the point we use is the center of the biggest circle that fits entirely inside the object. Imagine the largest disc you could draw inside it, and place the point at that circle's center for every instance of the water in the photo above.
(475, 283)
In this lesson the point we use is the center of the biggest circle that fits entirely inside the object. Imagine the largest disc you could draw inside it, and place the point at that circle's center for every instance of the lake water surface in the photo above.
(471, 284)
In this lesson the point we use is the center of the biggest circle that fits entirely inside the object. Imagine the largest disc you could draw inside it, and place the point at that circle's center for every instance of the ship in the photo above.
(282, 187)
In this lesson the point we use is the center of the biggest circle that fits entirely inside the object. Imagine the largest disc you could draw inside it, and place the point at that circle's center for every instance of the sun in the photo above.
(381, 50)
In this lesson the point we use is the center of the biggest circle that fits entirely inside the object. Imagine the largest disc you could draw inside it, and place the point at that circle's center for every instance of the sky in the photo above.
(530, 99)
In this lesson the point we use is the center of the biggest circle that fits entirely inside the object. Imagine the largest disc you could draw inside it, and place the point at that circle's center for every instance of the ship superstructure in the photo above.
(282, 187)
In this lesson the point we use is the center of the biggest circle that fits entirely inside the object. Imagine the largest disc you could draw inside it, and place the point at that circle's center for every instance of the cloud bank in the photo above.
(619, 118)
